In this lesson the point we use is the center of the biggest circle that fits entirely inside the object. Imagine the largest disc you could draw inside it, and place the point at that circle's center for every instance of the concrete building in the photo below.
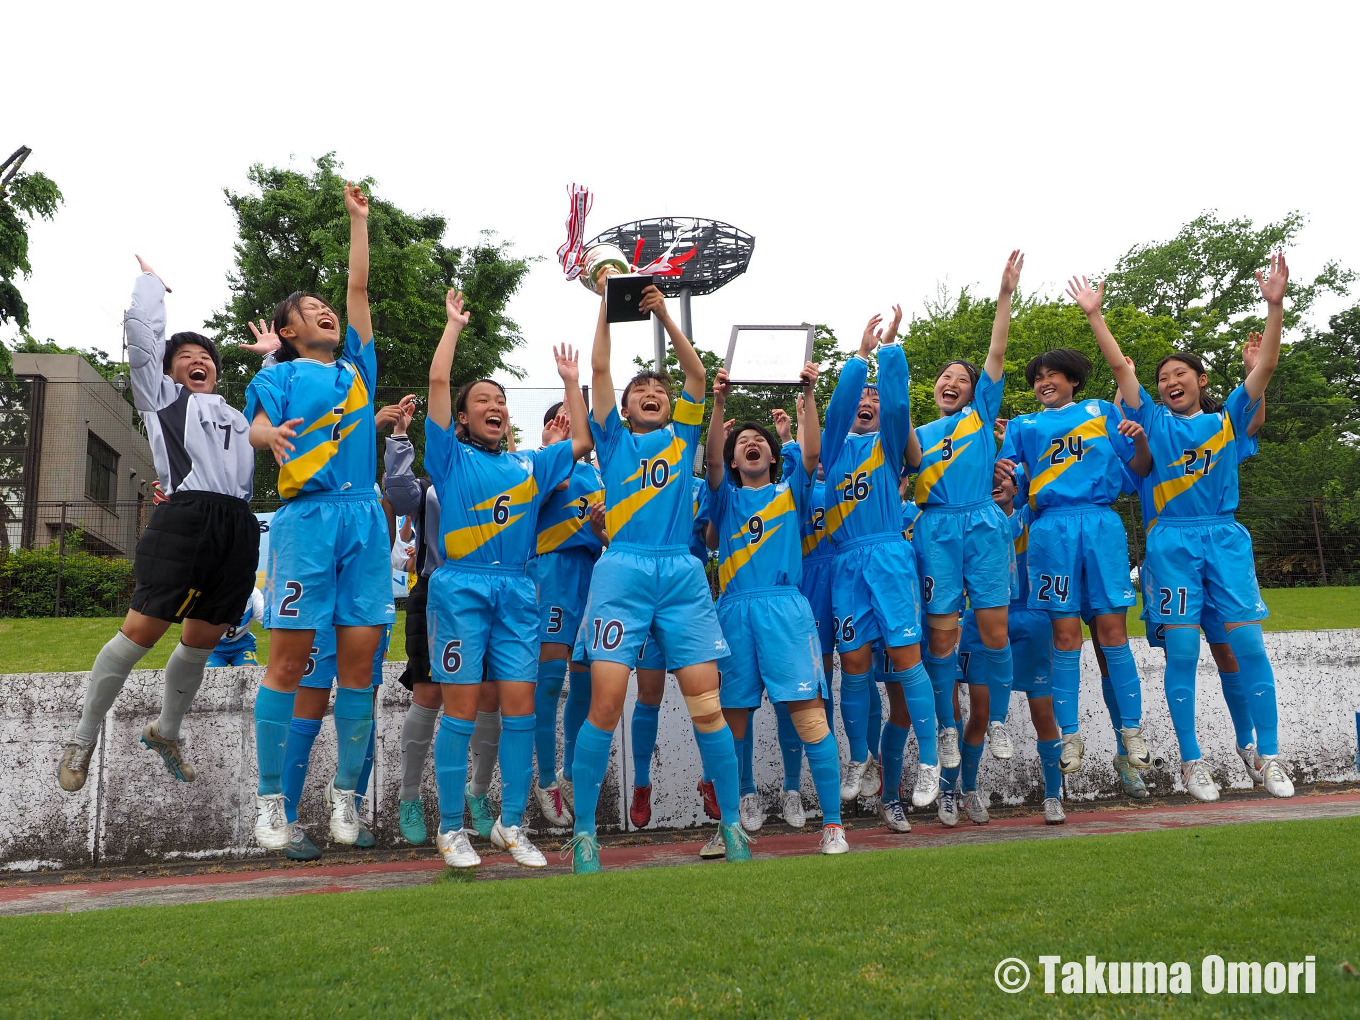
(72, 449)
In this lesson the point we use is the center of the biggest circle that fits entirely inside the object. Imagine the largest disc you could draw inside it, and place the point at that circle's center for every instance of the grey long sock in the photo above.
(107, 676)
(183, 678)
(417, 731)
(485, 743)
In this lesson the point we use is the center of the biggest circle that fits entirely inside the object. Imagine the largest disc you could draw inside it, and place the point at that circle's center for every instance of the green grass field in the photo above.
(55, 646)
(886, 934)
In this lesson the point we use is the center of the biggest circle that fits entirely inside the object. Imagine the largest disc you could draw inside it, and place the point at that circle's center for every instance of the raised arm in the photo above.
(144, 324)
(400, 484)
(569, 368)
(441, 365)
(995, 364)
(696, 377)
(808, 425)
(356, 290)
(601, 379)
(717, 437)
(894, 395)
(1088, 300)
(1272, 289)
(1251, 357)
(840, 410)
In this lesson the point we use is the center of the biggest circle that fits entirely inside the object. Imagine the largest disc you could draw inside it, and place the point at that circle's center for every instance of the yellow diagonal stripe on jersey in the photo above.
(1090, 429)
(521, 493)
(298, 471)
(549, 539)
(738, 559)
(355, 399)
(926, 480)
(1167, 491)
(811, 542)
(460, 543)
(617, 516)
(836, 515)
(1022, 541)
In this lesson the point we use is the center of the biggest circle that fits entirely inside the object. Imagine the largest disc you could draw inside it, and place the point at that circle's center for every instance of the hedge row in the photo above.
(90, 585)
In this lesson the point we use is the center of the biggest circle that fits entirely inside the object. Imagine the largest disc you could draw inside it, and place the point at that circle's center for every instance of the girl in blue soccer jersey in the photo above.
(483, 605)
(647, 582)
(1197, 553)
(1078, 552)
(759, 497)
(874, 591)
(237, 647)
(328, 547)
(964, 544)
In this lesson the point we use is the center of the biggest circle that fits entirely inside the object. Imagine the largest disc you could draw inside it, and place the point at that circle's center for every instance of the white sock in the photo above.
(107, 676)
(183, 678)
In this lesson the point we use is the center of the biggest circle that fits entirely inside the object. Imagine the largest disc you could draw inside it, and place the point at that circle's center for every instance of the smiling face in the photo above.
(192, 367)
(953, 389)
(866, 415)
(1053, 388)
(648, 405)
(1003, 494)
(484, 415)
(752, 458)
(313, 328)
(1179, 386)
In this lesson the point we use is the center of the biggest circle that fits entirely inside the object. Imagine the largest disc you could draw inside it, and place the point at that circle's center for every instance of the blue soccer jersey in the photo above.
(958, 451)
(647, 477)
(336, 444)
(813, 527)
(911, 513)
(759, 540)
(862, 471)
(1071, 454)
(489, 501)
(698, 536)
(564, 518)
(1019, 520)
(1194, 458)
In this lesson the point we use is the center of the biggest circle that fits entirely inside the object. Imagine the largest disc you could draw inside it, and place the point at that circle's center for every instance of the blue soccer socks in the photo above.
(1000, 669)
(943, 672)
(1253, 666)
(1050, 756)
(1236, 697)
(588, 769)
(824, 761)
(720, 761)
(450, 769)
(971, 755)
(918, 689)
(890, 760)
(1128, 688)
(646, 719)
(547, 696)
(1066, 687)
(1182, 661)
(790, 746)
(573, 715)
(273, 713)
(855, 713)
(297, 752)
(353, 725)
(517, 766)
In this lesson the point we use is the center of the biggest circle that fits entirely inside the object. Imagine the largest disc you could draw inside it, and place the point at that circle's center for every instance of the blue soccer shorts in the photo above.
(482, 615)
(964, 549)
(241, 656)
(1192, 563)
(774, 646)
(329, 563)
(563, 580)
(320, 671)
(1031, 637)
(874, 593)
(816, 588)
(1079, 558)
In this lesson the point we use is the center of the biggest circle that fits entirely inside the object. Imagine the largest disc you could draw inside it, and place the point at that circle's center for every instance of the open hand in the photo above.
(266, 340)
(999, 429)
(1251, 353)
(1086, 297)
(559, 428)
(278, 440)
(147, 269)
(568, 364)
(356, 202)
(783, 426)
(1273, 286)
(454, 306)
(1010, 276)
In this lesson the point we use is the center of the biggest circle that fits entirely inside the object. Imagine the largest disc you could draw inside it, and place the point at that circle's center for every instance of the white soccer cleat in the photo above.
(948, 811)
(1274, 777)
(1135, 747)
(515, 839)
(1000, 739)
(949, 748)
(271, 827)
(871, 784)
(927, 786)
(752, 814)
(456, 849)
(1198, 783)
(715, 849)
(833, 840)
(75, 765)
(553, 805)
(894, 817)
(975, 806)
(854, 775)
(564, 788)
(1073, 752)
(791, 807)
(344, 818)
(1248, 756)
(1053, 811)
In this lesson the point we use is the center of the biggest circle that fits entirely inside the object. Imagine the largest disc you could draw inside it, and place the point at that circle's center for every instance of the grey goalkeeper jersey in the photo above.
(198, 440)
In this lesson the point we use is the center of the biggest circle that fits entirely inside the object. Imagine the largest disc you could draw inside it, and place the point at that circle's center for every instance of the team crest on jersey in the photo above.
(1093, 409)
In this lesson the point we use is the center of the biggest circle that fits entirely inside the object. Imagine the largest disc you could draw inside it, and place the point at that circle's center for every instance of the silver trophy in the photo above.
(596, 260)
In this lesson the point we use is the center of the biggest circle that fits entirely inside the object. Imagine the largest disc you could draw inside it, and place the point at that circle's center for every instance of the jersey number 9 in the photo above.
(756, 527)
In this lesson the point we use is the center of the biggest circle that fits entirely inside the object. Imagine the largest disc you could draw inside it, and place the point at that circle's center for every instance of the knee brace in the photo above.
(705, 710)
(810, 724)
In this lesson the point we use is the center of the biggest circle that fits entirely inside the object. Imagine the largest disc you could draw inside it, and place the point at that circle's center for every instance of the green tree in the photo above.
(24, 198)
(293, 234)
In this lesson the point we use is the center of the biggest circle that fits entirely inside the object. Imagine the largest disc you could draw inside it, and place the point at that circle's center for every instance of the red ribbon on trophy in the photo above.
(570, 255)
(587, 265)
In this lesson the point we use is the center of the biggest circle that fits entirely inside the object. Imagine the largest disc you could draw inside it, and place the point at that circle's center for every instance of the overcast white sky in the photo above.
(872, 150)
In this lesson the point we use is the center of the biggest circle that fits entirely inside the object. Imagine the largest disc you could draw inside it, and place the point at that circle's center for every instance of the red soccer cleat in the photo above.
(641, 809)
(710, 796)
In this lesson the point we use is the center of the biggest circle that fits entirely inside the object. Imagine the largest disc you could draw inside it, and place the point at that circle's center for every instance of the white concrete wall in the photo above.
(130, 810)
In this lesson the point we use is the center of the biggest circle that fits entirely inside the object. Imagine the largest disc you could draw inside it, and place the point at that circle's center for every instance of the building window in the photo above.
(101, 471)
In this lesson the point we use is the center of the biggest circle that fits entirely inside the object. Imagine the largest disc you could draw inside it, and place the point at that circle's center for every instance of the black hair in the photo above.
(460, 402)
(179, 340)
(730, 447)
(643, 376)
(283, 314)
(552, 412)
(968, 367)
(1207, 404)
(1065, 361)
